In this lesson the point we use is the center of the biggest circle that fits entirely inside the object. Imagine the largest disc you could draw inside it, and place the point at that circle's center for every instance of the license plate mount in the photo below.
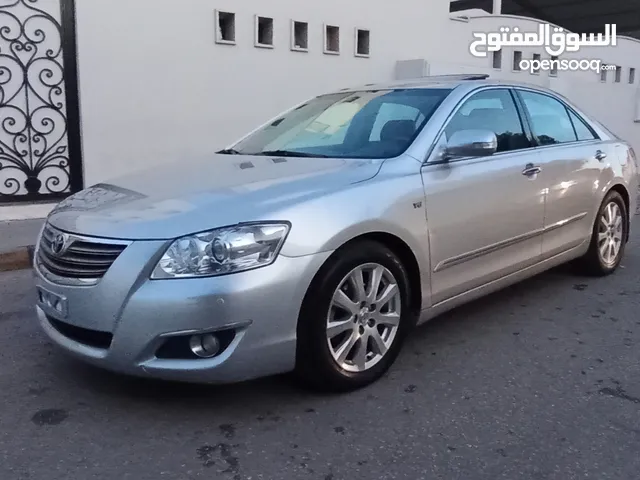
(53, 303)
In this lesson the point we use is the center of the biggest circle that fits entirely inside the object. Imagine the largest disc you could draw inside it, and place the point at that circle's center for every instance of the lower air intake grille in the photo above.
(91, 338)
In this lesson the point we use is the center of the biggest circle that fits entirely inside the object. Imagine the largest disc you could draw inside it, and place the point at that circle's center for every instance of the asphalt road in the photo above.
(541, 381)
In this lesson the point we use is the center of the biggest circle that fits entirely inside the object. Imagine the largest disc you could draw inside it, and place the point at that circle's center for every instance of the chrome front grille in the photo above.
(72, 256)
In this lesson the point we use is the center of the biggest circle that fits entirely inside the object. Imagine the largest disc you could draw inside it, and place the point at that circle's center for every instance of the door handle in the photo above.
(600, 155)
(531, 170)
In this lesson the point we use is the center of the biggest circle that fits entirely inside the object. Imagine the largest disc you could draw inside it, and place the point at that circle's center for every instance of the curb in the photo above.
(18, 259)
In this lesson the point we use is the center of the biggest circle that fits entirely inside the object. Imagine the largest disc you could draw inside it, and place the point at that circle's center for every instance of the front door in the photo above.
(485, 215)
(39, 119)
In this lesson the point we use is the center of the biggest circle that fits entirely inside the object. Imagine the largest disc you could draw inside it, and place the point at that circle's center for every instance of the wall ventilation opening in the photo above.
(632, 76)
(497, 59)
(331, 39)
(225, 27)
(363, 42)
(299, 36)
(264, 32)
(536, 62)
(517, 58)
(554, 67)
(603, 74)
(618, 74)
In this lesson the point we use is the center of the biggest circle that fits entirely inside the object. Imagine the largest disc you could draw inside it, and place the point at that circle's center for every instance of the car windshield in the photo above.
(365, 124)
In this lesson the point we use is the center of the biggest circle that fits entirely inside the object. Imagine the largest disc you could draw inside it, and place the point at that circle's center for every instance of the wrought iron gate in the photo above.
(40, 150)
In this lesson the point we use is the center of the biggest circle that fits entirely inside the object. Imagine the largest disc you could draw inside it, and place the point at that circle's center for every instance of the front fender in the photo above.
(392, 205)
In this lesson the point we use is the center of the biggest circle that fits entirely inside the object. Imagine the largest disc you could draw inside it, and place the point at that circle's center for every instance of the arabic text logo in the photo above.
(555, 43)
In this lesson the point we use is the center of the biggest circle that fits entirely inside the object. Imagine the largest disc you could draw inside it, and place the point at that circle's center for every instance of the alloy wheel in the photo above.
(364, 317)
(610, 234)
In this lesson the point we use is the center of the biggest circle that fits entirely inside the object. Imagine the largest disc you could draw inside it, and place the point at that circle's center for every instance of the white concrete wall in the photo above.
(156, 87)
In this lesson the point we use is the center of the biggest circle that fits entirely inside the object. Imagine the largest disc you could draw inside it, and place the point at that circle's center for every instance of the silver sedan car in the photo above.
(316, 243)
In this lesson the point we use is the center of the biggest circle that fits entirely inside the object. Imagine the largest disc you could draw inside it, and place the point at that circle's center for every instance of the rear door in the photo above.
(485, 215)
(572, 161)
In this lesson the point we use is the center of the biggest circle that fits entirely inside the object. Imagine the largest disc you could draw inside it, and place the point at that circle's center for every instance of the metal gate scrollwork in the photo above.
(39, 119)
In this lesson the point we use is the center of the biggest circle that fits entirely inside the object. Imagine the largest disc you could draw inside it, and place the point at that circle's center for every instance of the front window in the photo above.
(492, 110)
(366, 124)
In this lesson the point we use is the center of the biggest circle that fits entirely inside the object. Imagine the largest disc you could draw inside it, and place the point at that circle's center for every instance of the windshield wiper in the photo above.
(289, 153)
(229, 151)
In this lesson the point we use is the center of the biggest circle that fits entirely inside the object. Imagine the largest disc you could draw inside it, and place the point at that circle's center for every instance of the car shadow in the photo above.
(447, 329)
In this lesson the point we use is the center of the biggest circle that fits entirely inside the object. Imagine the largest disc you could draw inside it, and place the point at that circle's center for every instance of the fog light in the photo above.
(205, 346)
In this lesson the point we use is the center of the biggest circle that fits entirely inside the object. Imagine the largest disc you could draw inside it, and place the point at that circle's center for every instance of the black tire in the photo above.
(315, 365)
(592, 262)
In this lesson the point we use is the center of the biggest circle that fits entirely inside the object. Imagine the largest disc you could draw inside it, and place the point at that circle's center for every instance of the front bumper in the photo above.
(138, 314)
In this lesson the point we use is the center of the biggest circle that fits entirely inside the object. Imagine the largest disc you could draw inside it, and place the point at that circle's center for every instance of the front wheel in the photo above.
(609, 237)
(354, 318)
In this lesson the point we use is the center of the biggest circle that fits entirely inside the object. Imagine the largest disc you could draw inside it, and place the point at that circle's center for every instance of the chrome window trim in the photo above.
(568, 107)
(468, 95)
(585, 118)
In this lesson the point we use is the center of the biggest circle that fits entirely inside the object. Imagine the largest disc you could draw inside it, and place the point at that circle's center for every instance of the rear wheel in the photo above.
(609, 237)
(354, 318)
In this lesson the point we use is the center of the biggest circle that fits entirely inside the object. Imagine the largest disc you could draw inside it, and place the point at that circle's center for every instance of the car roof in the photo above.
(470, 81)
(465, 84)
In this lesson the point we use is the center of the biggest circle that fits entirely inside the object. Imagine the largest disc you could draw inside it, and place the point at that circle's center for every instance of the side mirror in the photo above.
(471, 143)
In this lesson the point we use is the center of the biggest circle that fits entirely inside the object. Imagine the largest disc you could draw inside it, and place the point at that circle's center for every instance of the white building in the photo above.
(115, 86)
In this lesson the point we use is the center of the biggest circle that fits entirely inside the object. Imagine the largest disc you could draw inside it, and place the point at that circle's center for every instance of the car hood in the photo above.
(181, 198)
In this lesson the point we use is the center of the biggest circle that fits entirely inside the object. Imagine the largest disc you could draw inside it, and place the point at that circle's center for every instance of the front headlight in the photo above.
(222, 251)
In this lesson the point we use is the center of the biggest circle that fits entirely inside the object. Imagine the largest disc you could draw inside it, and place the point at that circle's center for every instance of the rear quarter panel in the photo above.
(619, 170)
(628, 174)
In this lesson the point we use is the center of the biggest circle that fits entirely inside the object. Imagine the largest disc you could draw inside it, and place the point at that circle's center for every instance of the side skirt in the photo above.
(496, 285)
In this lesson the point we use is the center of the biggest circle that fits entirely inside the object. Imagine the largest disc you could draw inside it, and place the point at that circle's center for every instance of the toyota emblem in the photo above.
(58, 244)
